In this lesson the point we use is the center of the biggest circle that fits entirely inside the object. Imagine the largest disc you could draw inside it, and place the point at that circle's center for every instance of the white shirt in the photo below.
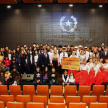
(61, 56)
(87, 55)
(35, 58)
(31, 59)
(67, 79)
(9, 56)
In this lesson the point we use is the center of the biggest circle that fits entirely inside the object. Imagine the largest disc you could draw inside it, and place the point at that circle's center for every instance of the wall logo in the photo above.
(68, 23)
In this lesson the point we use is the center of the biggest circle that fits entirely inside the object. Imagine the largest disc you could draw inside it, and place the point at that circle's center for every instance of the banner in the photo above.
(70, 63)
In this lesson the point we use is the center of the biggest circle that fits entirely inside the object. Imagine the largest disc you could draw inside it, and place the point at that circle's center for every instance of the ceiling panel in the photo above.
(41, 1)
(99, 1)
(72, 1)
(8, 2)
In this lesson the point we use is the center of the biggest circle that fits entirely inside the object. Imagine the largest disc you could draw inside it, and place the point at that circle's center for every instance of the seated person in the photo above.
(71, 78)
(53, 77)
(65, 78)
(14, 77)
(7, 74)
(2, 78)
(7, 63)
(46, 76)
(37, 76)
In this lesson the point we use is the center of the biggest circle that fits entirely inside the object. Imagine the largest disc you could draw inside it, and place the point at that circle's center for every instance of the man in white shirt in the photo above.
(63, 54)
(77, 51)
(86, 53)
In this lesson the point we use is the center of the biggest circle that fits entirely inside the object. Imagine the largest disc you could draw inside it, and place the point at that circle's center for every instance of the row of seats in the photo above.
(55, 90)
(53, 99)
(52, 105)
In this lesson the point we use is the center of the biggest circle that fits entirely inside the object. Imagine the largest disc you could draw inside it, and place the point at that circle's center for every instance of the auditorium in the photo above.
(54, 53)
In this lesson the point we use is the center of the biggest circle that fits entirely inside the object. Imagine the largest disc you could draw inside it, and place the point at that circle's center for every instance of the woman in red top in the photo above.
(7, 62)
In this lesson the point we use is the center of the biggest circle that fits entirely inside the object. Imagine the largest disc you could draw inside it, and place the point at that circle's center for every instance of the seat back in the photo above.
(56, 99)
(15, 90)
(56, 105)
(98, 105)
(77, 105)
(84, 90)
(106, 91)
(24, 98)
(89, 99)
(69, 99)
(43, 90)
(103, 99)
(42, 99)
(29, 90)
(70, 91)
(1, 104)
(35, 105)
(56, 90)
(6, 98)
(98, 90)
(3, 90)
(15, 105)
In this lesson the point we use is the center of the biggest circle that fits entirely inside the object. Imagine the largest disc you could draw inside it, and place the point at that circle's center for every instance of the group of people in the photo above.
(45, 62)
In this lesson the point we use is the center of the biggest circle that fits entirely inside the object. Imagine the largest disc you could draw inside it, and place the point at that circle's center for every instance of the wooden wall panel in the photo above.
(43, 1)
(8, 2)
(72, 1)
(99, 1)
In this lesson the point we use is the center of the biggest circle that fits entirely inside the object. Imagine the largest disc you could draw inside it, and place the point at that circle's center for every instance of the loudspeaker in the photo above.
(27, 77)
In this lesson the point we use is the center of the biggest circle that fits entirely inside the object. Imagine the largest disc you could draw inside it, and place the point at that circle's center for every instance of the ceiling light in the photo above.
(8, 6)
(100, 6)
(71, 5)
(39, 5)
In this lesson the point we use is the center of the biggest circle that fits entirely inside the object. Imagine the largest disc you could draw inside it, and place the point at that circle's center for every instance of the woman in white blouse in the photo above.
(82, 57)
(55, 59)
(73, 55)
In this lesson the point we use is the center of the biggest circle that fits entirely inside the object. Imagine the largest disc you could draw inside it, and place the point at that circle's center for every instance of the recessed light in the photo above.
(8, 6)
(71, 5)
(39, 5)
(100, 6)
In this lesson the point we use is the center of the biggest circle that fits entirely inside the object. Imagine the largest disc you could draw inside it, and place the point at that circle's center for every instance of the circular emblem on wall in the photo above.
(68, 23)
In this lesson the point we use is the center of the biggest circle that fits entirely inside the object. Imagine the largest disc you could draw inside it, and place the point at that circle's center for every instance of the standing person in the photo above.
(1, 57)
(104, 54)
(37, 76)
(102, 46)
(46, 74)
(73, 55)
(35, 59)
(68, 51)
(6, 51)
(53, 77)
(31, 61)
(77, 51)
(21, 62)
(44, 59)
(82, 56)
(63, 54)
(86, 53)
(95, 56)
(55, 59)
(65, 78)
(9, 55)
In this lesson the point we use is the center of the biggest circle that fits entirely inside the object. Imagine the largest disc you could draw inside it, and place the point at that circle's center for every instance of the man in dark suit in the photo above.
(44, 59)
(104, 54)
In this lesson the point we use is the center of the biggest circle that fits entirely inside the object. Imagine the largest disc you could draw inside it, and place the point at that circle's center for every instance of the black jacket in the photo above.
(51, 76)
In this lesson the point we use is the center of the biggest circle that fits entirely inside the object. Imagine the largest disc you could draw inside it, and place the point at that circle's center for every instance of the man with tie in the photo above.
(44, 59)
(104, 54)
